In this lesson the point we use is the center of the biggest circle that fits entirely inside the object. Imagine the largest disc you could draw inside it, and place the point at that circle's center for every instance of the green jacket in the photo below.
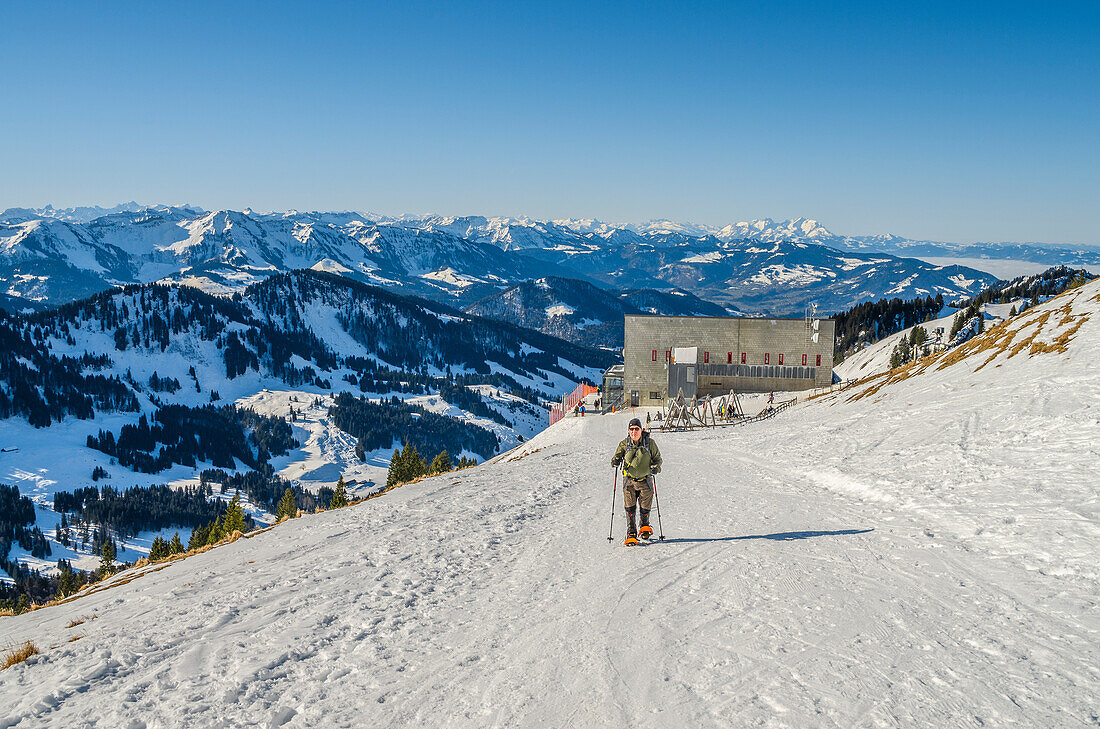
(638, 460)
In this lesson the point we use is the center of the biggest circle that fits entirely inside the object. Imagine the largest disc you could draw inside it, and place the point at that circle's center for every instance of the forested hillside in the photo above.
(139, 387)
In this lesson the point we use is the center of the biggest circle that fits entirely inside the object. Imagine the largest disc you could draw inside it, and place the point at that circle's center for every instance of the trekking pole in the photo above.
(614, 497)
(657, 501)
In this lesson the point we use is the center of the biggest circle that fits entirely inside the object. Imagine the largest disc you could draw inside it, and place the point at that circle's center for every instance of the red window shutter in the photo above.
(819, 360)
(780, 358)
(742, 358)
(655, 355)
(706, 357)
(767, 356)
(803, 360)
(729, 357)
(668, 355)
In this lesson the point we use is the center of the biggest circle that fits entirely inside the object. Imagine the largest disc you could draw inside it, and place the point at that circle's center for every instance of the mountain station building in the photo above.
(704, 355)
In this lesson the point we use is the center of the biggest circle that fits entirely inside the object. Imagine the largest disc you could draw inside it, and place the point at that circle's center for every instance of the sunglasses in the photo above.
(634, 427)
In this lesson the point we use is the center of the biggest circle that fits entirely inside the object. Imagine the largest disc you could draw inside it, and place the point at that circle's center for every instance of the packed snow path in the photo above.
(492, 598)
(924, 554)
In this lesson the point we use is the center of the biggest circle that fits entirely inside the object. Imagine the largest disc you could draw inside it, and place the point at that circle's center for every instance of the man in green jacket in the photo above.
(639, 458)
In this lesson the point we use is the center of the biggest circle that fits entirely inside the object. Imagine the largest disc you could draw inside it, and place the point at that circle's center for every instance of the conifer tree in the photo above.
(159, 549)
(288, 507)
(66, 582)
(414, 463)
(108, 554)
(176, 546)
(234, 516)
(217, 531)
(198, 538)
(441, 463)
(340, 495)
(409, 458)
(394, 474)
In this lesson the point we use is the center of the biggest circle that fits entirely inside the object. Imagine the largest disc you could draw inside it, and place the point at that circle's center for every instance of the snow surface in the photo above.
(1003, 268)
(924, 554)
(559, 310)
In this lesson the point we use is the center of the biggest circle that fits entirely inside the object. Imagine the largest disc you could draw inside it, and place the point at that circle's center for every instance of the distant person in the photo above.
(648, 419)
(582, 409)
(640, 459)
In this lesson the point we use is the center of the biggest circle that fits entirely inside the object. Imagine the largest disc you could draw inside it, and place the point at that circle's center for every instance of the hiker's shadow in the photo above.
(777, 537)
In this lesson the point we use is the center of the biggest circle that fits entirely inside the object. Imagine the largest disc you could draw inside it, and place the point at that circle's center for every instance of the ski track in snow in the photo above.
(923, 557)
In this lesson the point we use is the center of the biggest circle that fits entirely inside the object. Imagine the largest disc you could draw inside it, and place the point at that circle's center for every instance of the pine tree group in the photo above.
(162, 548)
(441, 463)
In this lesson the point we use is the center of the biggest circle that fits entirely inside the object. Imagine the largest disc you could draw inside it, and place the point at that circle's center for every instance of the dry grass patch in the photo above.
(18, 654)
(80, 621)
(524, 455)
(1011, 336)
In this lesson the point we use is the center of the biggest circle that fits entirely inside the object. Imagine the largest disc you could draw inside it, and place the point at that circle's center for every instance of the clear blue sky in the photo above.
(952, 121)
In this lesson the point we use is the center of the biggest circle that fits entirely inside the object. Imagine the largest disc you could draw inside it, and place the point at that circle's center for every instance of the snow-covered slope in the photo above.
(921, 553)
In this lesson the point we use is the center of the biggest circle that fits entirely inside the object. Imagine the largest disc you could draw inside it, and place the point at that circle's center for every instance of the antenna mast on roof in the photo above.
(813, 324)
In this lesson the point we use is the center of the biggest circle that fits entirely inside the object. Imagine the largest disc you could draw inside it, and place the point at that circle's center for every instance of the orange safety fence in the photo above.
(568, 402)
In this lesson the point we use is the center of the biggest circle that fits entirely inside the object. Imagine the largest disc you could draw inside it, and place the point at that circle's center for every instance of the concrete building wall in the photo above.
(719, 340)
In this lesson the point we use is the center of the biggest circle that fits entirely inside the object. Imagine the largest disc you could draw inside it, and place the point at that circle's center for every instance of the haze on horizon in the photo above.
(940, 123)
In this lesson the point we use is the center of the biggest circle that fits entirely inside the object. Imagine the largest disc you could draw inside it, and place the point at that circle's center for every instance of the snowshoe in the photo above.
(630, 540)
(645, 532)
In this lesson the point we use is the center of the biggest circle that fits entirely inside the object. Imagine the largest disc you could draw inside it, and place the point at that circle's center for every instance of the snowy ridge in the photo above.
(920, 554)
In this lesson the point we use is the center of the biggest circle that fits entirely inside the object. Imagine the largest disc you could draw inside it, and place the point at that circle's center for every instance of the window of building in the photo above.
(668, 355)
(706, 357)
(803, 360)
(654, 395)
(729, 357)
(767, 357)
(819, 360)
(781, 358)
(655, 355)
(742, 358)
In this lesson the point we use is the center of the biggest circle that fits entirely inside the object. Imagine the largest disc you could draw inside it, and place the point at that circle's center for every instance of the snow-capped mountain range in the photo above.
(581, 312)
(49, 256)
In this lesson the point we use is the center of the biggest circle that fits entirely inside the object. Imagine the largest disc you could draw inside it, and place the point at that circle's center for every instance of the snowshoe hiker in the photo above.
(639, 458)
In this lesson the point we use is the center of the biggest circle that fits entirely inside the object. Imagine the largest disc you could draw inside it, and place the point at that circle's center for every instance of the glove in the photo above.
(654, 470)
(617, 462)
